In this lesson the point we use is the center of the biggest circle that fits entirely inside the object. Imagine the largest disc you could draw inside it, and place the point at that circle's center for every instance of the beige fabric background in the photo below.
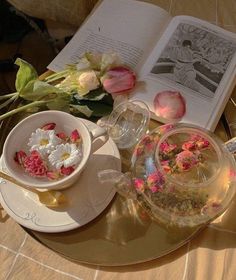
(209, 256)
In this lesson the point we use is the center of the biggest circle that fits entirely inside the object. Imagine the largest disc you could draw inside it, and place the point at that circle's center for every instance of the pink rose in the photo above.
(118, 80)
(169, 105)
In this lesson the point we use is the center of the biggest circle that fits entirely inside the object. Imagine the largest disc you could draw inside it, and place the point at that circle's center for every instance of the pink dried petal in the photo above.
(53, 175)
(232, 175)
(169, 105)
(62, 136)
(166, 166)
(48, 126)
(139, 184)
(190, 146)
(66, 171)
(155, 178)
(118, 80)
(200, 142)
(75, 136)
(186, 160)
(20, 157)
(166, 148)
(138, 151)
(154, 189)
(34, 165)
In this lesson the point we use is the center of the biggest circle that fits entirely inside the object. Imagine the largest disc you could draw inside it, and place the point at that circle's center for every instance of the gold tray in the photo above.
(122, 235)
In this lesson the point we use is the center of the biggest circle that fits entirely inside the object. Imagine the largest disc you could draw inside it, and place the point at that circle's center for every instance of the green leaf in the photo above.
(93, 95)
(25, 74)
(82, 109)
(38, 90)
(60, 103)
(99, 109)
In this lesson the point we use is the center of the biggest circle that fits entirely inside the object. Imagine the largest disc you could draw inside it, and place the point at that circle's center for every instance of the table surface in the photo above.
(211, 255)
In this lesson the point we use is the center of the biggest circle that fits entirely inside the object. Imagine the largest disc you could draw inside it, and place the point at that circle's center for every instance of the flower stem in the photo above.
(8, 101)
(56, 76)
(17, 110)
(6, 96)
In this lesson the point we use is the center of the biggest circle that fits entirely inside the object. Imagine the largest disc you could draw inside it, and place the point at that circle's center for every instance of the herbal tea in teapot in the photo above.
(183, 175)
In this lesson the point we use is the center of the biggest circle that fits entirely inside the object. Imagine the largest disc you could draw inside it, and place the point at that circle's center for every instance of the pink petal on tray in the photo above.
(169, 105)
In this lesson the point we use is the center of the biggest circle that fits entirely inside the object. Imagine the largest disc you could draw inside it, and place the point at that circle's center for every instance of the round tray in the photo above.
(122, 234)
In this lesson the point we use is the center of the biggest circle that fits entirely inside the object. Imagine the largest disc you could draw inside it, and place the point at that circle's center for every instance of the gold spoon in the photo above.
(50, 199)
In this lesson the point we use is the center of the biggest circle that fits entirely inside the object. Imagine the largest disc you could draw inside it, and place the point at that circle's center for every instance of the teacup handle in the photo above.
(97, 132)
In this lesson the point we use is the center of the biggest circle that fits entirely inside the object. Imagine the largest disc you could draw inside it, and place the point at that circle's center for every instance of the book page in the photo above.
(199, 60)
(128, 27)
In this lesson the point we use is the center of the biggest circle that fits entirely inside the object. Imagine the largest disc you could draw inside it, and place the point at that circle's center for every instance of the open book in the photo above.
(180, 53)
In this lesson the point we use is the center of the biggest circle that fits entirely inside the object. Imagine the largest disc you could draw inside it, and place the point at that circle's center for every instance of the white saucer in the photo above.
(88, 197)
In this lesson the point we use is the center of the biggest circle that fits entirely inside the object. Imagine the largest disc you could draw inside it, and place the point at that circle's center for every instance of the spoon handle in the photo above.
(14, 181)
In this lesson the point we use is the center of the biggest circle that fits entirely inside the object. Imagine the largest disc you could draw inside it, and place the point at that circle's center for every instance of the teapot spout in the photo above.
(121, 181)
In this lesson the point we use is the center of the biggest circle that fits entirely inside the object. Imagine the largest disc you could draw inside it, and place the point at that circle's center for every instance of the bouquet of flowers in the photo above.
(85, 88)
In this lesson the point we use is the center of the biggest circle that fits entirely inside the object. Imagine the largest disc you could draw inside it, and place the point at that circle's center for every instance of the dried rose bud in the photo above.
(62, 136)
(75, 136)
(48, 126)
(20, 157)
(66, 170)
(169, 105)
(118, 80)
(139, 184)
(53, 175)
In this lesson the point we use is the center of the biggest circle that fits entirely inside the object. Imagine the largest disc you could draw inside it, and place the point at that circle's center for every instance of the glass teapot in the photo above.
(181, 174)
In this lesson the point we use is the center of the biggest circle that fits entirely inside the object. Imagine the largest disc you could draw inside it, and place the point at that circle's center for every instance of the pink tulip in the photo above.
(169, 105)
(118, 80)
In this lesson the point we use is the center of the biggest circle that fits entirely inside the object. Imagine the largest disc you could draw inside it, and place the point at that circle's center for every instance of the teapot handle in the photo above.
(231, 146)
(121, 181)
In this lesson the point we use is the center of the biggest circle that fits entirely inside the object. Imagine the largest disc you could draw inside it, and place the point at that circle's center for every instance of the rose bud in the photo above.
(118, 80)
(62, 136)
(20, 157)
(53, 175)
(66, 170)
(75, 136)
(169, 105)
(48, 126)
(88, 80)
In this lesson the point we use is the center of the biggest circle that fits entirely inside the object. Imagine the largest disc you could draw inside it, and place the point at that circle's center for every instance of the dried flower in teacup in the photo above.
(34, 165)
(118, 80)
(43, 141)
(65, 155)
(169, 105)
(48, 126)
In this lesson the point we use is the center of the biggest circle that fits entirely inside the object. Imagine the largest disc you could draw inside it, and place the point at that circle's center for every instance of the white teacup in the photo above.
(19, 136)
